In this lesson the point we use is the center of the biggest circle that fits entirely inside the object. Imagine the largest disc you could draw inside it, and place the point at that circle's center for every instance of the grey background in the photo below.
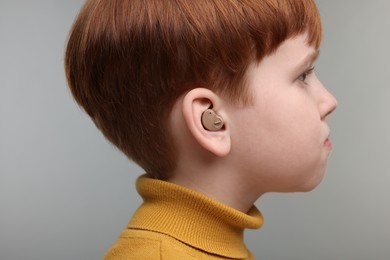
(65, 193)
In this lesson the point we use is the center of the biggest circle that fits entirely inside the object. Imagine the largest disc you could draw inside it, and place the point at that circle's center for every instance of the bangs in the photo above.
(303, 16)
(285, 19)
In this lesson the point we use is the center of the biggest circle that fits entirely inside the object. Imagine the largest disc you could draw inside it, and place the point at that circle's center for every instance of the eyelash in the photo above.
(304, 75)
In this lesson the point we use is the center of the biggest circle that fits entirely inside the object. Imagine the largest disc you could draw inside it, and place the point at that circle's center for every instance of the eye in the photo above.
(304, 75)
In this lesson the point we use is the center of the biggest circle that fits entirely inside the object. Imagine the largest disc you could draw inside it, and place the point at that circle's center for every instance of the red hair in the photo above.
(127, 62)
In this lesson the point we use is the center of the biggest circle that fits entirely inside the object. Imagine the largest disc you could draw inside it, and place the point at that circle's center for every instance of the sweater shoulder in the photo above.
(145, 245)
(134, 248)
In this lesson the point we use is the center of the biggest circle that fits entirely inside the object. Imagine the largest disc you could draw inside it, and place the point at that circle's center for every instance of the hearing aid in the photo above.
(211, 121)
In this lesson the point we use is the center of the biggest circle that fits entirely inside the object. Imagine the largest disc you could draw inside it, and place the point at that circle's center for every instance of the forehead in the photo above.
(290, 59)
(292, 52)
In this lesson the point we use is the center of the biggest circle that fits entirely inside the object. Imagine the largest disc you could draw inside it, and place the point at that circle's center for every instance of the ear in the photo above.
(195, 103)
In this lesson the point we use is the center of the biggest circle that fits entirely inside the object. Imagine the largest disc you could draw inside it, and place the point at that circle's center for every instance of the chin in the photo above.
(302, 187)
(309, 188)
(313, 182)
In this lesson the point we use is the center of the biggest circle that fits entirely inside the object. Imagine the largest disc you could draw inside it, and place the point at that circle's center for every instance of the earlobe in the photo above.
(205, 119)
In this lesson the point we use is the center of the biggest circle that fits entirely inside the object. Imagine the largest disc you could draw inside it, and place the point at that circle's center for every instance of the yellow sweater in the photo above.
(178, 223)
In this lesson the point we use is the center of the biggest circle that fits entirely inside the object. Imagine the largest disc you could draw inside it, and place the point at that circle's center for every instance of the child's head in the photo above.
(127, 62)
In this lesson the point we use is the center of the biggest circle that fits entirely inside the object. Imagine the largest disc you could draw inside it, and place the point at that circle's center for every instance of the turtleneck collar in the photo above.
(193, 218)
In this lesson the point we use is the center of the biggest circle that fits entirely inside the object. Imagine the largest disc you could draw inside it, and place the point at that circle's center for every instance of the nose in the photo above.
(327, 103)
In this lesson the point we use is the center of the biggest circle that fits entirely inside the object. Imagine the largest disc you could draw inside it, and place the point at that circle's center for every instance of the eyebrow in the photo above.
(309, 59)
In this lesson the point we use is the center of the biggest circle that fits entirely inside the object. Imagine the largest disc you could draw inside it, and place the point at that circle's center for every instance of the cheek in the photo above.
(294, 124)
(299, 158)
(289, 145)
(291, 167)
(296, 134)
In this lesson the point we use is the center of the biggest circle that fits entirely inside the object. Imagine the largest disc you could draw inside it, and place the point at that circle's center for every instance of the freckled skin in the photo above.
(281, 148)
(277, 143)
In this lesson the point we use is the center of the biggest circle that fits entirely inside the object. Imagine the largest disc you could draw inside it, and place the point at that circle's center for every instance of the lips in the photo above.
(328, 143)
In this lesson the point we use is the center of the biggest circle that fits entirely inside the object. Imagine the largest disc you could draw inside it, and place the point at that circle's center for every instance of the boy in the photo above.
(216, 99)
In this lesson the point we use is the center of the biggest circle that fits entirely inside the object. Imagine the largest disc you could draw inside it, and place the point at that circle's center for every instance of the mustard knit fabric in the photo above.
(177, 223)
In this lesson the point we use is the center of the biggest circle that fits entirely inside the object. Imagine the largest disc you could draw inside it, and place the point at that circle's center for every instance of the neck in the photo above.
(223, 186)
(171, 209)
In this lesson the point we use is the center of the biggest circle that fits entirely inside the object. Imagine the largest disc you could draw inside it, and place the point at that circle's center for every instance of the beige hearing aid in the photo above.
(211, 121)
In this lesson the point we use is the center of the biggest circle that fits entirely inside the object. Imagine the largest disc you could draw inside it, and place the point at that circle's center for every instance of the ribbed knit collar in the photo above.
(193, 218)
